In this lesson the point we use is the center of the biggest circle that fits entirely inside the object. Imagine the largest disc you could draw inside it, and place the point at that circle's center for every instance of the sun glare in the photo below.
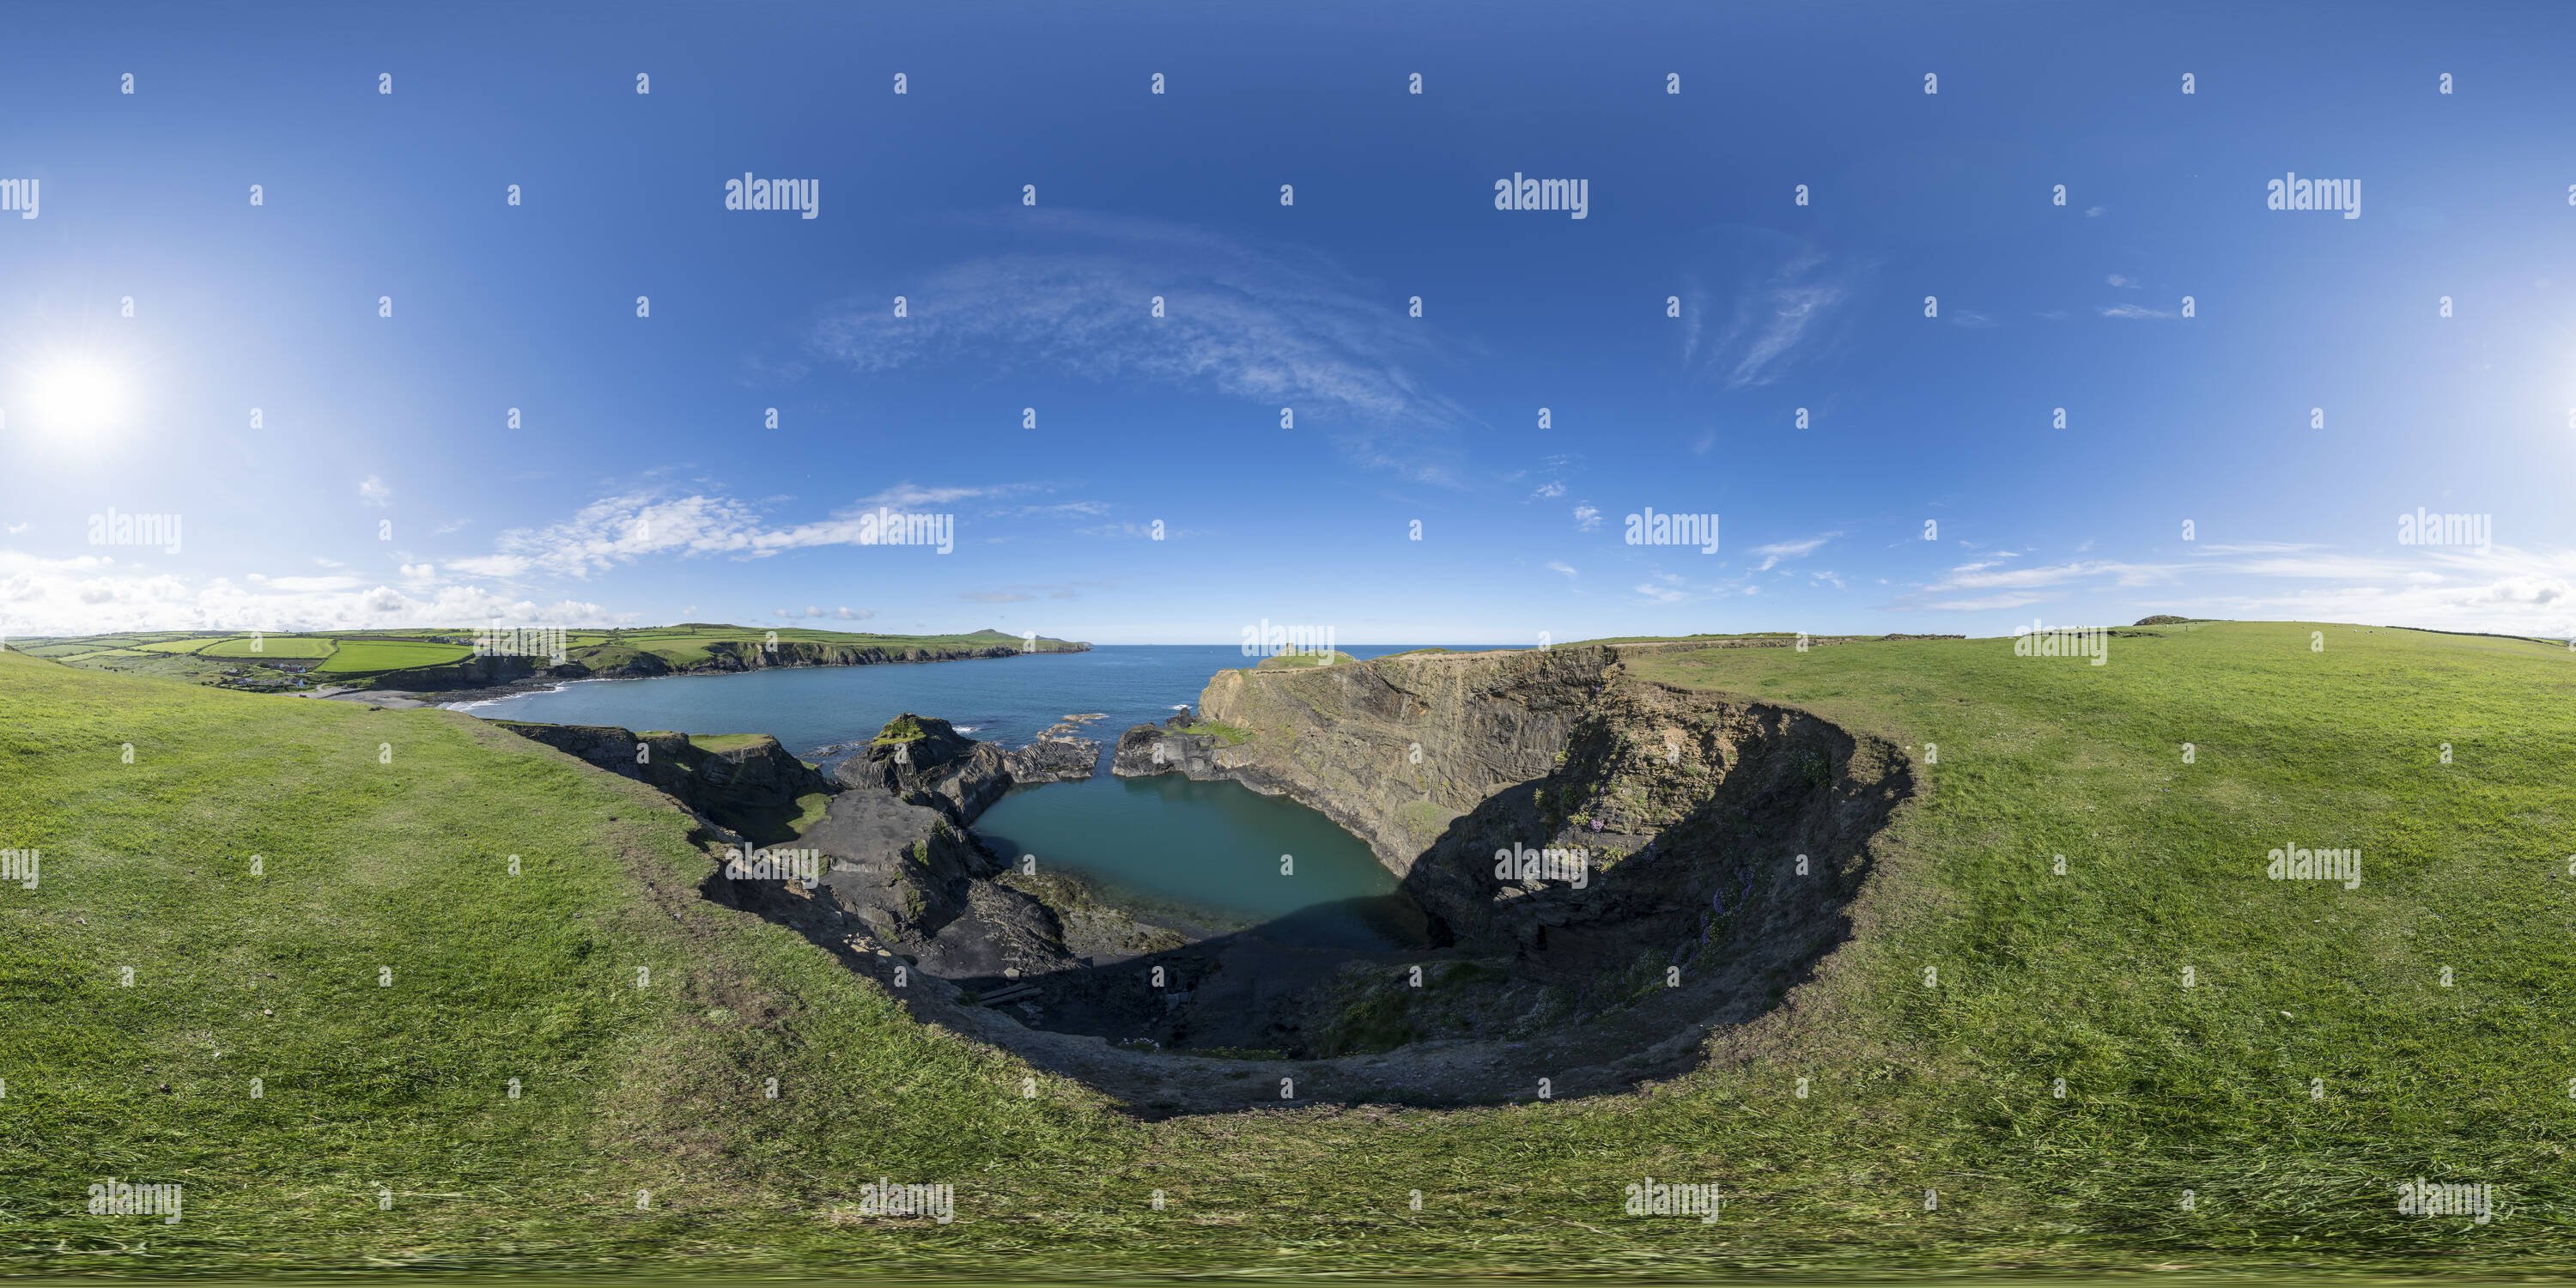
(75, 395)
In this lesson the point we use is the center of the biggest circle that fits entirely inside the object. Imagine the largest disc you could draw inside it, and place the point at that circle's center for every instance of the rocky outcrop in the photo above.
(1145, 750)
(924, 760)
(1060, 755)
(924, 887)
(724, 777)
(1634, 813)
(620, 661)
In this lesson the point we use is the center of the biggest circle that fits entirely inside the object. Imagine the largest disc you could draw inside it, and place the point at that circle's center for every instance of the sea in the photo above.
(1216, 854)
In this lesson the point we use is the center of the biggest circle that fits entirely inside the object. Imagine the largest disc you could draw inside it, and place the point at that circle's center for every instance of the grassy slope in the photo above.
(361, 656)
(1911, 1088)
(387, 655)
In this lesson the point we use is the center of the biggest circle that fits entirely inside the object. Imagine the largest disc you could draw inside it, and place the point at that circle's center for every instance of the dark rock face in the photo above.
(1680, 809)
(722, 656)
(924, 886)
(1146, 750)
(923, 760)
(1060, 755)
(758, 776)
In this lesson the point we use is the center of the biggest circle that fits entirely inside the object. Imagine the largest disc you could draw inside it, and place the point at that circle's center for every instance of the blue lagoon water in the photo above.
(1211, 849)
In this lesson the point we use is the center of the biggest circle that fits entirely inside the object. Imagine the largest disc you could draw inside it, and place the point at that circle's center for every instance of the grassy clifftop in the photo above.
(2330, 1043)
(448, 658)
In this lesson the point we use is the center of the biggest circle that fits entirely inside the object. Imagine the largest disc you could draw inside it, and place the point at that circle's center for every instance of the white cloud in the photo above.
(373, 491)
(2136, 311)
(1548, 491)
(1276, 325)
(1586, 518)
(1777, 551)
(1567, 569)
(90, 595)
(1779, 307)
(2129, 282)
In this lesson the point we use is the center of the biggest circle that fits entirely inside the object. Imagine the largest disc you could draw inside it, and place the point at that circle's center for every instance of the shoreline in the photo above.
(467, 699)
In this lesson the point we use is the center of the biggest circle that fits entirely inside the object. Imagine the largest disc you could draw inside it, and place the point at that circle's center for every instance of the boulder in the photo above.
(925, 761)
(749, 774)
(1060, 755)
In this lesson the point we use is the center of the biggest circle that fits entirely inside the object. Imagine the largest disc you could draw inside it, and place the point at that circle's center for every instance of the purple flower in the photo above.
(1596, 825)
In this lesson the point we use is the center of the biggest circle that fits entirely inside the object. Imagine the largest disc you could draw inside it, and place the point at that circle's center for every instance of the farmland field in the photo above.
(364, 655)
(2157, 1021)
(271, 648)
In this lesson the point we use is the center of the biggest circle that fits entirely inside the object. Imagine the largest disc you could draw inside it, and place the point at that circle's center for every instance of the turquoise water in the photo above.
(1220, 853)
(1210, 849)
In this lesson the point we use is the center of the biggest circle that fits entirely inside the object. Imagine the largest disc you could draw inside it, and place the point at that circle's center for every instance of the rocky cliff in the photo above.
(923, 760)
(619, 661)
(1640, 819)
(724, 778)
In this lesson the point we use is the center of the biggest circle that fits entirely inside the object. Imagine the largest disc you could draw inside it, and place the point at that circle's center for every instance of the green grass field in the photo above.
(188, 645)
(272, 648)
(390, 655)
(2429, 1004)
(377, 658)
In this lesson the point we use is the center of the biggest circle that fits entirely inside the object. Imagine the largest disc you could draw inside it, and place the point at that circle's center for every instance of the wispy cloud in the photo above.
(1566, 568)
(1777, 551)
(1776, 304)
(622, 529)
(373, 491)
(1282, 326)
(1586, 518)
(2135, 311)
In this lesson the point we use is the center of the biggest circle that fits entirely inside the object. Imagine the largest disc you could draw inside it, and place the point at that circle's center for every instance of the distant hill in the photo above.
(460, 657)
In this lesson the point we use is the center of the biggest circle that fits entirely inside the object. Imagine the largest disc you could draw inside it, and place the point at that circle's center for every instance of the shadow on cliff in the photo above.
(1719, 846)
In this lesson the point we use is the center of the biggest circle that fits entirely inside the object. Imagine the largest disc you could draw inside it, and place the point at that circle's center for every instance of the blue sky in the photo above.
(643, 484)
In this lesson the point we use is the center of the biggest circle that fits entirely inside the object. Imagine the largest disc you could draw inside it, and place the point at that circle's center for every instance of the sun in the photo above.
(76, 395)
